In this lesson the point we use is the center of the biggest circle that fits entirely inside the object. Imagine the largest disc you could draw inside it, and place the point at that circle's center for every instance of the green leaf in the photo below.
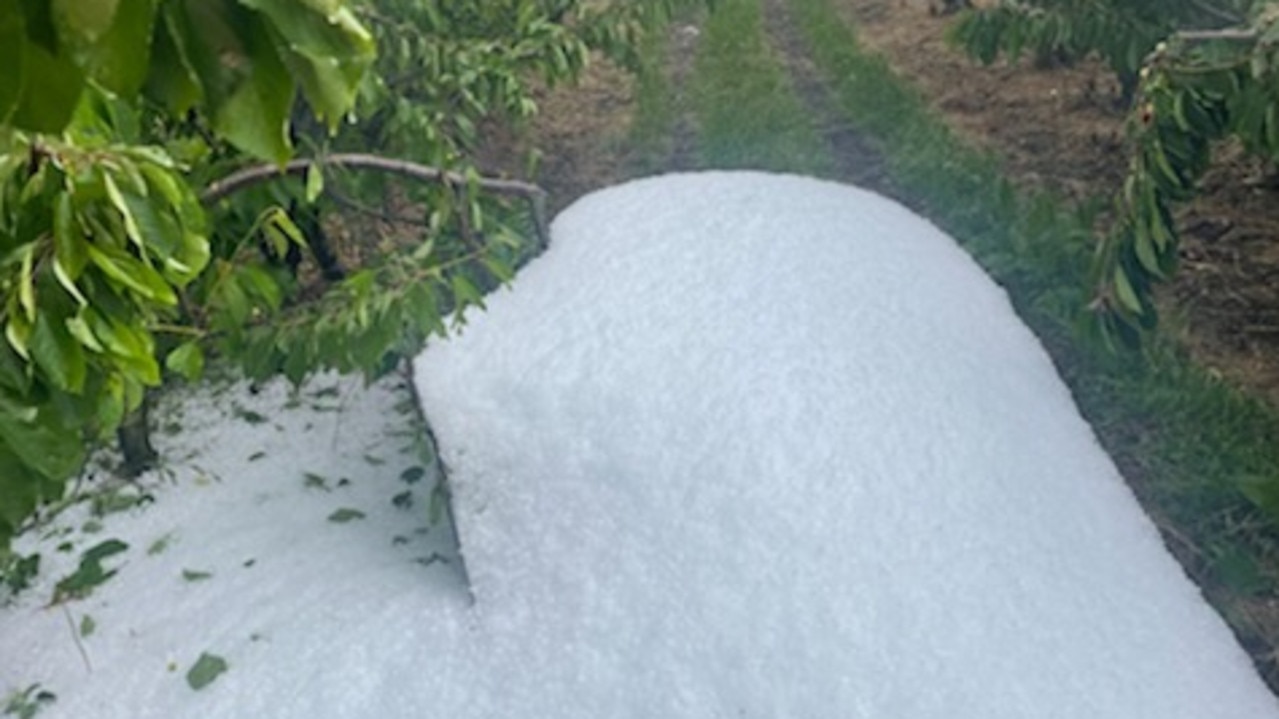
(500, 270)
(131, 273)
(68, 238)
(17, 571)
(20, 491)
(464, 293)
(187, 360)
(111, 403)
(281, 231)
(229, 297)
(13, 371)
(172, 81)
(57, 353)
(192, 575)
(90, 574)
(413, 474)
(255, 116)
(84, 21)
(208, 36)
(132, 347)
(104, 549)
(325, 47)
(50, 89)
(314, 182)
(39, 440)
(191, 258)
(68, 284)
(18, 333)
(439, 505)
(121, 58)
(1125, 293)
(87, 626)
(13, 40)
(26, 282)
(261, 285)
(345, 515)
(79, 329)
(126, 214)
(205, 670)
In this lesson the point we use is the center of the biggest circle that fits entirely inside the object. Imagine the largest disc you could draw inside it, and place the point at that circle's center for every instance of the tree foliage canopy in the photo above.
(120, 260)
(1199, 71)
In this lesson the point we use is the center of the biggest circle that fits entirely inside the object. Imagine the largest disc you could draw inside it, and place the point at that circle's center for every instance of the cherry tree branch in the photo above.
(257, 174)
(1238, 34)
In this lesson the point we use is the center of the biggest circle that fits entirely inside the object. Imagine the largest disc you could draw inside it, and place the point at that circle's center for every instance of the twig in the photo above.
(75, 636)
(257, 174)
(1230, 33)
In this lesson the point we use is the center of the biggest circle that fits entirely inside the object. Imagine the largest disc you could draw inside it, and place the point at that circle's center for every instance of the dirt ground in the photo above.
(1062, 129)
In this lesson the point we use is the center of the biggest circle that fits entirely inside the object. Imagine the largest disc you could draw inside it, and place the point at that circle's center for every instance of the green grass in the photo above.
(653, 125)
(748, 115)
(1203, 456)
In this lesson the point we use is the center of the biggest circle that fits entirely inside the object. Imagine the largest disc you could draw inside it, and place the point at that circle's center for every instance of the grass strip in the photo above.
(653, 124)
(748, 115)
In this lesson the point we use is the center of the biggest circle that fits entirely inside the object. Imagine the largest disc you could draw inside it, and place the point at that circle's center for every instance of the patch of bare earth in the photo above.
(1061, 129)
(580, 134)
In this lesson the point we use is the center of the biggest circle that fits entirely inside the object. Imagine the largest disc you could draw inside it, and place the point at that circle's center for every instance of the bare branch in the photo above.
(1237, 34)
(257, 174)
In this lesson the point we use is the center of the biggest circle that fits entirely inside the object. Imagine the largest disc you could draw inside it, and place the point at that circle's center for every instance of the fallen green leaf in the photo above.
(345, 514)
(206, 669)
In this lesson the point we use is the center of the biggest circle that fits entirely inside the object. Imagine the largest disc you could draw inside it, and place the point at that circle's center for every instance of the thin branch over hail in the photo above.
(256, 174)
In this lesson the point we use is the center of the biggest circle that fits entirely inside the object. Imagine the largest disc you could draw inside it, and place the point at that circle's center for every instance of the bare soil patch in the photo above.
(1062, 129)
(580, 135)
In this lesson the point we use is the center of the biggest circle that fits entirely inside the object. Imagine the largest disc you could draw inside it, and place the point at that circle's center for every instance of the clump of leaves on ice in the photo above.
(16, 573)
(26, 703)
(90, 574)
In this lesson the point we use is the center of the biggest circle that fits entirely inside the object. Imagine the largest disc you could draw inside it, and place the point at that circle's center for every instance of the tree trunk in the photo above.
(134, 436)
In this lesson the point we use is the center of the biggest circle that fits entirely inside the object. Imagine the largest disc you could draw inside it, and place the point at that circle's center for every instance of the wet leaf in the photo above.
(346, 514)
(205, 670)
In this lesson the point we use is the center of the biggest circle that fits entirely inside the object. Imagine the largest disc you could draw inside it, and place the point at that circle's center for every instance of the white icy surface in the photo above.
(738, 445)
(750, 445)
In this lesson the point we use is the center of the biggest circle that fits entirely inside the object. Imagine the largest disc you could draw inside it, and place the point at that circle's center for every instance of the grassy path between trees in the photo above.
(783, 85)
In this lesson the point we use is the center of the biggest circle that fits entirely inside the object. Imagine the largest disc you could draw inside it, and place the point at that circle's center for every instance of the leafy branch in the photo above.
(247, 177)
(1197, 88)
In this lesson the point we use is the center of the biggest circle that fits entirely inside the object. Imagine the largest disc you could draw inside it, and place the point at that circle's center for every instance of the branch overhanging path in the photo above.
(256, 174)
